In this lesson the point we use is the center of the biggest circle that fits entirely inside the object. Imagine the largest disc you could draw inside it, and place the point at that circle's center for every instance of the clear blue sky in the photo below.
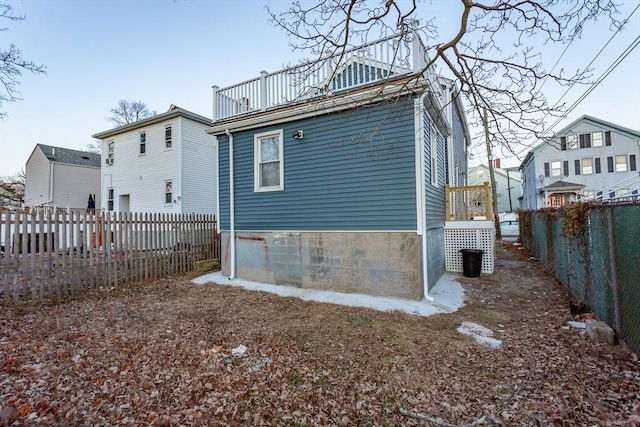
(171, 52)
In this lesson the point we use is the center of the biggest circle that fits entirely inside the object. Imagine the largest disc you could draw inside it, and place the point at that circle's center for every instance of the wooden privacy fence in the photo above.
(64, 253)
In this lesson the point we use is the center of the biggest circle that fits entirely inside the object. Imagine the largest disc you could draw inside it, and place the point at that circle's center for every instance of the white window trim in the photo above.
(111, 195)
(164, 193)
(433, 144)
(164, 135)
(615, 163)
(256, 160)
(602, 139)
(141, 143)
(583, 166)
(573, 144)
(559, 168)
(111, 149)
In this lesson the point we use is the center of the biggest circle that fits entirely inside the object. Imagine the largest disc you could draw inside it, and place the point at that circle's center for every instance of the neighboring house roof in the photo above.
(563, 186)
(69, 156)
(567, 130)
(174, 111)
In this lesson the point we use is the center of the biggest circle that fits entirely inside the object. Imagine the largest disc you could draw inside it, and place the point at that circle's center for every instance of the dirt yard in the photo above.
(161, 355)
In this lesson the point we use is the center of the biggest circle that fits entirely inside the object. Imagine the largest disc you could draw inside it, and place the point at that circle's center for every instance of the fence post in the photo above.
(615, 287)
(215, 102)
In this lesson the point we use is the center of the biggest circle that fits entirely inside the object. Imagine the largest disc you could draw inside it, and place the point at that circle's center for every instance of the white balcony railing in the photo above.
(383, 59)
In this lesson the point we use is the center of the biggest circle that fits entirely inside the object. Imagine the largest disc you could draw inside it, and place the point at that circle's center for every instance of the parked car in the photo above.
(510, 228)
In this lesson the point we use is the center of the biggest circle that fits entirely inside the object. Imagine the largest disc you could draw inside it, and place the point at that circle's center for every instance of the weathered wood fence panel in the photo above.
(57, 254)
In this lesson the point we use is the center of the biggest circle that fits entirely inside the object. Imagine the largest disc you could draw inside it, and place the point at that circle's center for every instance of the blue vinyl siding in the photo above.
(434, 195)
(459, 150)
(353, 170)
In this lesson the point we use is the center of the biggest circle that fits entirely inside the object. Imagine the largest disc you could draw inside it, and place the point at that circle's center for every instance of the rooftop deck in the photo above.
(382, 60)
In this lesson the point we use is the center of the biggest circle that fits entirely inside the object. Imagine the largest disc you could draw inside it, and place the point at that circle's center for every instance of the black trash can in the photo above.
(471, 262)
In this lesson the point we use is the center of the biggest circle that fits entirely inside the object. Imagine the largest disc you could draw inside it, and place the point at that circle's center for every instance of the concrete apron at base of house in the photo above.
(380, 264)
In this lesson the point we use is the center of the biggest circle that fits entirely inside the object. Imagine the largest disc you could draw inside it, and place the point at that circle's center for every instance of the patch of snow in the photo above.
(479, 333)
(448, 295)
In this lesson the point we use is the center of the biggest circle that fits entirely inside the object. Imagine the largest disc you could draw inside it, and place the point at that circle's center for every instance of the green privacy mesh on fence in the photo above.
(594, 251)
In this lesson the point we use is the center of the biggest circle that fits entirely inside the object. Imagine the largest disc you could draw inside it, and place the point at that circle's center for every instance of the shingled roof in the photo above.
(70, 157)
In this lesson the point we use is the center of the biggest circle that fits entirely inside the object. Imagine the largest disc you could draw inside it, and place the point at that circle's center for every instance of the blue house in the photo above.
(332, 175)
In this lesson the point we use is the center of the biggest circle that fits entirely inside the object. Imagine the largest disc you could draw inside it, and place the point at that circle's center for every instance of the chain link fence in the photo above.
(594, 251)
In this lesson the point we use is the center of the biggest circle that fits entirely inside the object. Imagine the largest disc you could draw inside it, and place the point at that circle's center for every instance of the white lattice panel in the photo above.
(469, 235)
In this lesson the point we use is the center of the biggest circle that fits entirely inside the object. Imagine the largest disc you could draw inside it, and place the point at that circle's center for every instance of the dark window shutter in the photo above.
(563, 143)
(547, 172)
(632, 162)
(565, 167)
(610, 164)
(598, 169)
(587, 140)
(577, 166)
(612, 195)
(607, 138)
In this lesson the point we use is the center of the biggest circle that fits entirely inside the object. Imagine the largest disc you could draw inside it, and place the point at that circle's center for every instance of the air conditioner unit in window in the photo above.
(108, 161)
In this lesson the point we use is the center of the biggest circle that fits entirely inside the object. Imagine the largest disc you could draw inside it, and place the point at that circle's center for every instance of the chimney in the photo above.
(497, 163)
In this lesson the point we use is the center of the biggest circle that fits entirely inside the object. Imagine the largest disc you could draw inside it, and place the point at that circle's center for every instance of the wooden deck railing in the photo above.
(468, 202)
(59, 254)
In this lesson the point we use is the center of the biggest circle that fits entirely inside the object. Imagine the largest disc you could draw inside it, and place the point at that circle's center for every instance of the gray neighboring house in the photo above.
(589, 158)
(508, 200)
(61, 177)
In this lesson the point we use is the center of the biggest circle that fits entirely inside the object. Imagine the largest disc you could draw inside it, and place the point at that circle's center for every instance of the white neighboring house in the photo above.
(161, 164)
(61, 177)
(589, 158)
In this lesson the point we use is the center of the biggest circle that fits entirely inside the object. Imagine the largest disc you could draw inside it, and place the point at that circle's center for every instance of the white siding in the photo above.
(141, 176)
(36, 191)
(190, 164)
(200, 166)
(72, 185)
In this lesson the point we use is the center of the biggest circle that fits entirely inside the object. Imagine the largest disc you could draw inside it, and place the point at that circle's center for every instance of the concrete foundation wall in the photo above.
(380, 264)
(436, 264)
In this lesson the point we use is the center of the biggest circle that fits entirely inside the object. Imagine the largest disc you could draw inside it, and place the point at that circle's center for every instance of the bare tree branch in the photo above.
(12, 64)
(129, 112)
(495, 56)
(12, 190)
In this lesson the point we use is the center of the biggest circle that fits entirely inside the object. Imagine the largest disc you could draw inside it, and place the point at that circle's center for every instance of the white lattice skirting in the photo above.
(469, 235)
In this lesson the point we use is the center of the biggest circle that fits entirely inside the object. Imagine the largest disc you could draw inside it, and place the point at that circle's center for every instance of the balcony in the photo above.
(467, 203)
(386, 59)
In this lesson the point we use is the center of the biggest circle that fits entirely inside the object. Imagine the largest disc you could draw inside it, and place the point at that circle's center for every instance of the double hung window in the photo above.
(269, 163)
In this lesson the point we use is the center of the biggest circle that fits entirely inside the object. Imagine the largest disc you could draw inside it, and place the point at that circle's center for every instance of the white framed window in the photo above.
(556, 168)
(168, 192)
(597, 139)
(110, 199)
(167, 137)
(269, 161)
(143, 142)
(572, 142)
(433, 143)
(621, 163)
(480, 173)
(588, 194)
(587, 166)
(110, 152)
